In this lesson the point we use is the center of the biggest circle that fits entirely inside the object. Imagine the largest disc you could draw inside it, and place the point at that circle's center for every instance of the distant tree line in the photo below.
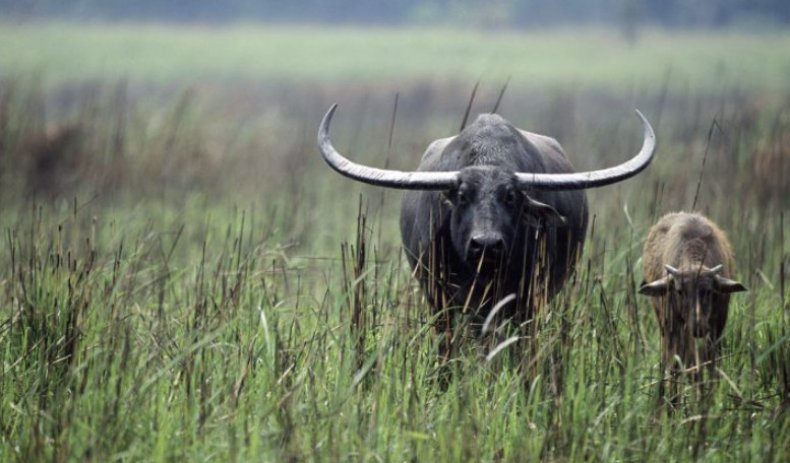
(494, 13)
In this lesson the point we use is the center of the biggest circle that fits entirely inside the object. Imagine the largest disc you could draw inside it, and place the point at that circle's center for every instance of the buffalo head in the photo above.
(693, 295)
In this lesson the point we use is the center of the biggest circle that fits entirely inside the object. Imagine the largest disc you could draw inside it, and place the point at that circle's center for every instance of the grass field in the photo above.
(181, 276)
(160, 53)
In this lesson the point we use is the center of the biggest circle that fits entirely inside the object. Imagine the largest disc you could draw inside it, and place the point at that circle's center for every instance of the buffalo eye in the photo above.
(461, 198)
(455, 198)
(510, 198)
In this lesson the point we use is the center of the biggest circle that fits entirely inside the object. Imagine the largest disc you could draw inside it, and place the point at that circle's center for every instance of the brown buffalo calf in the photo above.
(688, 266)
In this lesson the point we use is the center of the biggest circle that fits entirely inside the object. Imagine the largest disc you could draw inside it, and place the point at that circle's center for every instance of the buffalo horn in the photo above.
(596, 178)
(417, 180)
(380, 177)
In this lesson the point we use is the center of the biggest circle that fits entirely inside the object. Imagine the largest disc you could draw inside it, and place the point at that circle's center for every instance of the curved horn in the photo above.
(596, 178)
(671, 270)
(710, 272)
(379, 177)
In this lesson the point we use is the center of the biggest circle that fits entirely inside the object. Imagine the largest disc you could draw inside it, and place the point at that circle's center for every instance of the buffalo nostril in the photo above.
(491, 244)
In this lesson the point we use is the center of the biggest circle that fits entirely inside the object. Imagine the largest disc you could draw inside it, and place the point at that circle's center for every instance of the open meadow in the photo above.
(183, 278)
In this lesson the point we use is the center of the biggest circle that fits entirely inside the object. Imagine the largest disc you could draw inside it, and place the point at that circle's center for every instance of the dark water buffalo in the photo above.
(688, 266)
(490, 212)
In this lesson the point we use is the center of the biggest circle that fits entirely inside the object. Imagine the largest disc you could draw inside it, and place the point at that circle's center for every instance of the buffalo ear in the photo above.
(539, 213)
(725, 285)
(656, 288)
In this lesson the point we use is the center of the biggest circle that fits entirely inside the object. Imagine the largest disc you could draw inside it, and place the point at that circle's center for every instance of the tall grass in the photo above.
(189, 281)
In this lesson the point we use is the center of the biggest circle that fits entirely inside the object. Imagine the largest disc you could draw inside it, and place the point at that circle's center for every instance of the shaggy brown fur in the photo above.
(688, 266)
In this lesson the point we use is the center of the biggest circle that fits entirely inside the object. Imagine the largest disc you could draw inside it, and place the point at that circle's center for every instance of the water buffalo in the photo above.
(688, 266)
(490, 212)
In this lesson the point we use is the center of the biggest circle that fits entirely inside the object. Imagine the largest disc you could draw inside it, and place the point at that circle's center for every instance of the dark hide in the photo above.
(485, 239)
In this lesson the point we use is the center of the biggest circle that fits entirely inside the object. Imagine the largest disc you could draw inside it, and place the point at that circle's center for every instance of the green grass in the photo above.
(64, 52)
(184, 279)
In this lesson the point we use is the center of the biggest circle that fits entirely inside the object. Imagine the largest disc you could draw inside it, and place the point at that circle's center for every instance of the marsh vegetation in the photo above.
(181, 276)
